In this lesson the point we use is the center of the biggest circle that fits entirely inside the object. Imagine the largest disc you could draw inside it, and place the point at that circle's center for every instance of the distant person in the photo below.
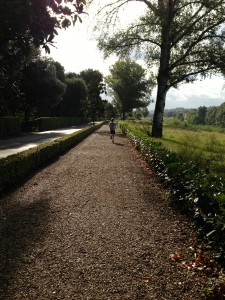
(112, 127)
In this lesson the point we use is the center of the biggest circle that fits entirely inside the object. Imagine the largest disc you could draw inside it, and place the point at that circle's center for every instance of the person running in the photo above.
(112, 126)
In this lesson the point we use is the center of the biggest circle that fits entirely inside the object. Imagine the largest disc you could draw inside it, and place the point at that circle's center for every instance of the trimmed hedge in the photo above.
(199, 195)
(15, 168)
(9, 127)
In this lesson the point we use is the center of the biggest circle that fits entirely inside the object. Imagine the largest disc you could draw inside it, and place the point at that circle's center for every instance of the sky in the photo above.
(76, 50)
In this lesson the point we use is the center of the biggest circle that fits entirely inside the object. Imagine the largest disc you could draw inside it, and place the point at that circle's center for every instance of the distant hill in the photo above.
(173, 111)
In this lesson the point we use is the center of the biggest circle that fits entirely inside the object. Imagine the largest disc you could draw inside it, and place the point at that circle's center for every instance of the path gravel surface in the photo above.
(94, 225)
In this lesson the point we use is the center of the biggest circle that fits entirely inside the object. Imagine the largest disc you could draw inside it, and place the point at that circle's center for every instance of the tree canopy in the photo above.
(41, 87)
(110, 111)
(25, 25)
(94, 104)
(72, 103)
(180, 38)
(128, 85)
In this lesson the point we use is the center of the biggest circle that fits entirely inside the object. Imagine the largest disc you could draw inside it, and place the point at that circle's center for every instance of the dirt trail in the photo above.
(94, 225)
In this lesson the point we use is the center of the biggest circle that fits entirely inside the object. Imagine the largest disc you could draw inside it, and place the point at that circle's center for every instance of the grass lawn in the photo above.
(204, 148)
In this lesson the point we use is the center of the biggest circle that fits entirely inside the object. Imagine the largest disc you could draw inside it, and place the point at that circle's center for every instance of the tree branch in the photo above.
(182, 78)
(187, 29)
(200, 38)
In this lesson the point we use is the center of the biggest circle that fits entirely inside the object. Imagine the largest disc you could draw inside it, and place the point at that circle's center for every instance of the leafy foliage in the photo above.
(93, 104)
(41, 87)
(128, 85)
(76, 93)
(110, 110)
(27, 25)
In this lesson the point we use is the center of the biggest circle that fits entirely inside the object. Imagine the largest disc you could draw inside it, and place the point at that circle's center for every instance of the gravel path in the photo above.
(94, 225)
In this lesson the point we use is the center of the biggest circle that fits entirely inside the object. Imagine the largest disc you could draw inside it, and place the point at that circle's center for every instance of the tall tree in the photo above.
(220, 115)
(211, 115)
(110, 111)
(71, 75)
(182, 38)
(94, 105)
(10, 93)
(128, 85)
(41, 87)
(60, 71)
(202, 110)
(72, 103)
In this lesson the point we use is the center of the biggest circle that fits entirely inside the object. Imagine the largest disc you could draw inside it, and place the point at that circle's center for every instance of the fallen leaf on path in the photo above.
(175, 257)
(145, 279)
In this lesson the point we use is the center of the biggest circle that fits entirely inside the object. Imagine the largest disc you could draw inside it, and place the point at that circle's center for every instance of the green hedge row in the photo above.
(199, 195)
(16, 167)
(49, 123)
(9, 127)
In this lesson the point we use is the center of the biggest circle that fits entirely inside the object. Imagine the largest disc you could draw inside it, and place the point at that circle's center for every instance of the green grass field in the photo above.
(205, 146)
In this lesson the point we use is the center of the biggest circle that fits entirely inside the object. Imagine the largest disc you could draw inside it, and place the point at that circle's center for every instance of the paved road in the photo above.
(30, 140)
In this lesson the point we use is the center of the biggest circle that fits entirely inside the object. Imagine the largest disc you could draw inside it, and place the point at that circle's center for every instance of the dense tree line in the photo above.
(213, 115)
(46, 90)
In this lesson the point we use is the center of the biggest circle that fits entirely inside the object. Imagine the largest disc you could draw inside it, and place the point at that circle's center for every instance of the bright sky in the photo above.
(77, 51)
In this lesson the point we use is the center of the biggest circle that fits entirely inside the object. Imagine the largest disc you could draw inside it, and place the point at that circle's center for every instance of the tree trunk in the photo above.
(164, 72)
(157, 126)
(162, 80)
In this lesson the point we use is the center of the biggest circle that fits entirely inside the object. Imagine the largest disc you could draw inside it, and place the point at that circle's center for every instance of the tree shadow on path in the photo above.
(107, 133)
(21, 229)
(118, 144)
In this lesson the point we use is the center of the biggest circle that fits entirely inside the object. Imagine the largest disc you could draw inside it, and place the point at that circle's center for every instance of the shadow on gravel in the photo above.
(21, 229)
(107, 133)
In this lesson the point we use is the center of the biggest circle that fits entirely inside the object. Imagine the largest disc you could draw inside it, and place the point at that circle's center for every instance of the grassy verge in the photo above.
(205, 149)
